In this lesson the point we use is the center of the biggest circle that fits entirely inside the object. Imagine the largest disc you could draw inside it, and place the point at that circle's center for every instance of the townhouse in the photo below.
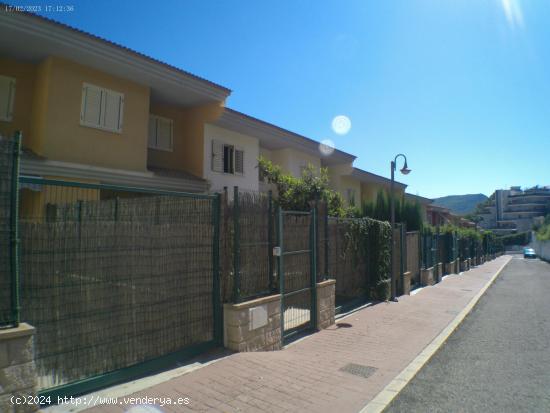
(94, 111)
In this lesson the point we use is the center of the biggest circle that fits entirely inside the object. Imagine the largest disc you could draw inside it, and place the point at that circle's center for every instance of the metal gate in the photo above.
(296, 270)
(118, 281)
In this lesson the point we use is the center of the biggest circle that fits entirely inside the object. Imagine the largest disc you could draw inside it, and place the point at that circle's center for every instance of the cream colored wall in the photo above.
(57, 114)
(369, 191)
(24, 74)
(291, 160)
(188, 139)
(348, 182)
(247, 181)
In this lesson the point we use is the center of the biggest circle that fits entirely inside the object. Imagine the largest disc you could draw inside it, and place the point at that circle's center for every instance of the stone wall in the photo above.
(427, 276)
(439, 271)
(407, 283)
(450, 267)
(17, 370)
(253, 325)
(325, 303)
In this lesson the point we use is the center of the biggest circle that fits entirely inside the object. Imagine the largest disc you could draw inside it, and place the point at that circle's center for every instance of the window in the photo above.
(227, 158)
(101, 108)
(161, 131)
(7, 96)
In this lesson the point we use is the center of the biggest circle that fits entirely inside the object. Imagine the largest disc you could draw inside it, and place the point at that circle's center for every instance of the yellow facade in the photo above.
(34, 201)
(369, 191)
(60, 135)
(188, 137)
(25, 74)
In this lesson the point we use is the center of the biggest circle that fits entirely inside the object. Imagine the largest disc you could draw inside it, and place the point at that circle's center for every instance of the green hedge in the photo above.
(373, 239)
(523, 238)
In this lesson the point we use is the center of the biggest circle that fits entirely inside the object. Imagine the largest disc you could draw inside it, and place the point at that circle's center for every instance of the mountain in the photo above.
(460, 204)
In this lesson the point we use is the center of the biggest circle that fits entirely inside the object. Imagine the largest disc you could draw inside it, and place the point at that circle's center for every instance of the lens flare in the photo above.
(341, 124)
(326, 147)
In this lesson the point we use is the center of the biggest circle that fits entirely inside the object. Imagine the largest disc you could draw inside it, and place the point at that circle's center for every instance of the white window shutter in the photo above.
(239, 161)
(112, 113)
(91, 106)
(7, 98)
(217, 156)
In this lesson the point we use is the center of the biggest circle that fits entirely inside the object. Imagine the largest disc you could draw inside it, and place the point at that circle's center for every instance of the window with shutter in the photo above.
(239, 161)
(112, 117)
(217, 156)
(7, 97)
(101, 108)
(161, 132)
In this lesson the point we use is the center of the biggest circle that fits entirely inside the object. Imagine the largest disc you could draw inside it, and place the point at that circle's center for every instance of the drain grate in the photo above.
(359, 370)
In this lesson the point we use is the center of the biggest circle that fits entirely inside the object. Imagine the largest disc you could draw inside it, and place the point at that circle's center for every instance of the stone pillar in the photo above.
(450, 267)
(17, 370)
(439, 271)
(326, 296)
(407, 283)
(427, 276)
(253, 325)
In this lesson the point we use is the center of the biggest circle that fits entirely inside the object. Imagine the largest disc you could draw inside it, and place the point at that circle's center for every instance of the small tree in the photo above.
(297, 193)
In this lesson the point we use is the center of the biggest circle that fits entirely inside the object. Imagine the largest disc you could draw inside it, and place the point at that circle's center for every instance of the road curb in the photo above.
(385, 397)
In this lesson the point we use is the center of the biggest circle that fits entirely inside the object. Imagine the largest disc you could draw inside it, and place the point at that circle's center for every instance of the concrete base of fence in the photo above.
(326, 296)
(470, 263)
(450, 267)
(256, 325)
(427, 276)
(17, 370)
(439, 267)
(253, 325)
(407, 283)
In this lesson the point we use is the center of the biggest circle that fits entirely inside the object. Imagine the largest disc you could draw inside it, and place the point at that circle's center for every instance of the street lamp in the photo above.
(405, 171)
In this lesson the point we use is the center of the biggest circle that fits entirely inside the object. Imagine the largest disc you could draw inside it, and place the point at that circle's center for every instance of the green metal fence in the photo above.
(117, 280)
(297, 270)
(10, 150)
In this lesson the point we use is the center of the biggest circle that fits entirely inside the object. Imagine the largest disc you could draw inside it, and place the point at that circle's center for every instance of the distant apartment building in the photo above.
(514, 210)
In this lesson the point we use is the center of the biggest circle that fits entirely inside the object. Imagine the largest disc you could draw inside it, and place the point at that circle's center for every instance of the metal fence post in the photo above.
(216, 299)
(313, 280)
(14, 224)
(236, 247)
(325, 218)
(280, 268)
(272, 286)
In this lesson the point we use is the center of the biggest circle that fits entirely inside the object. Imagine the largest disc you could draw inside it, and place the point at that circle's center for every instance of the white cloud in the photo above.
(514, 14)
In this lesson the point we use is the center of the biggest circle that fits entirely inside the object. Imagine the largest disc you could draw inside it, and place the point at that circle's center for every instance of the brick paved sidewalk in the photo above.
(306, 376)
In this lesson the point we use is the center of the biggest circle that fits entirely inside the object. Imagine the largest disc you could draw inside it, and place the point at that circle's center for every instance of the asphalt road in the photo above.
(498, 360)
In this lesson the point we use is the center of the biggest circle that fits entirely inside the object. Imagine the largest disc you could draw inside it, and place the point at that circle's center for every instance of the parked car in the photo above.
(529, 253)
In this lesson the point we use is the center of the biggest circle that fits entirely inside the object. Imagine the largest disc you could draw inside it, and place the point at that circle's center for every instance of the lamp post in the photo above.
(405, 171)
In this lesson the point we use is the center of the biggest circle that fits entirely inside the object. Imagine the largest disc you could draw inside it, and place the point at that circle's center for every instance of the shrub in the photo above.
(297, 193)
(543, 233)
(522, 238)
(372, 238)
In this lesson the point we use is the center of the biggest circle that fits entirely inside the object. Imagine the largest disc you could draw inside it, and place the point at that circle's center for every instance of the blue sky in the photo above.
(461, 87)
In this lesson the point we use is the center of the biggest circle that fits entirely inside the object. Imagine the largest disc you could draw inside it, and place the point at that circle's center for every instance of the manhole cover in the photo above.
(359, 370)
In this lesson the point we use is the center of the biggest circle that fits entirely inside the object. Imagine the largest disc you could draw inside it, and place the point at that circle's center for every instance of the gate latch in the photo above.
(276, 251)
